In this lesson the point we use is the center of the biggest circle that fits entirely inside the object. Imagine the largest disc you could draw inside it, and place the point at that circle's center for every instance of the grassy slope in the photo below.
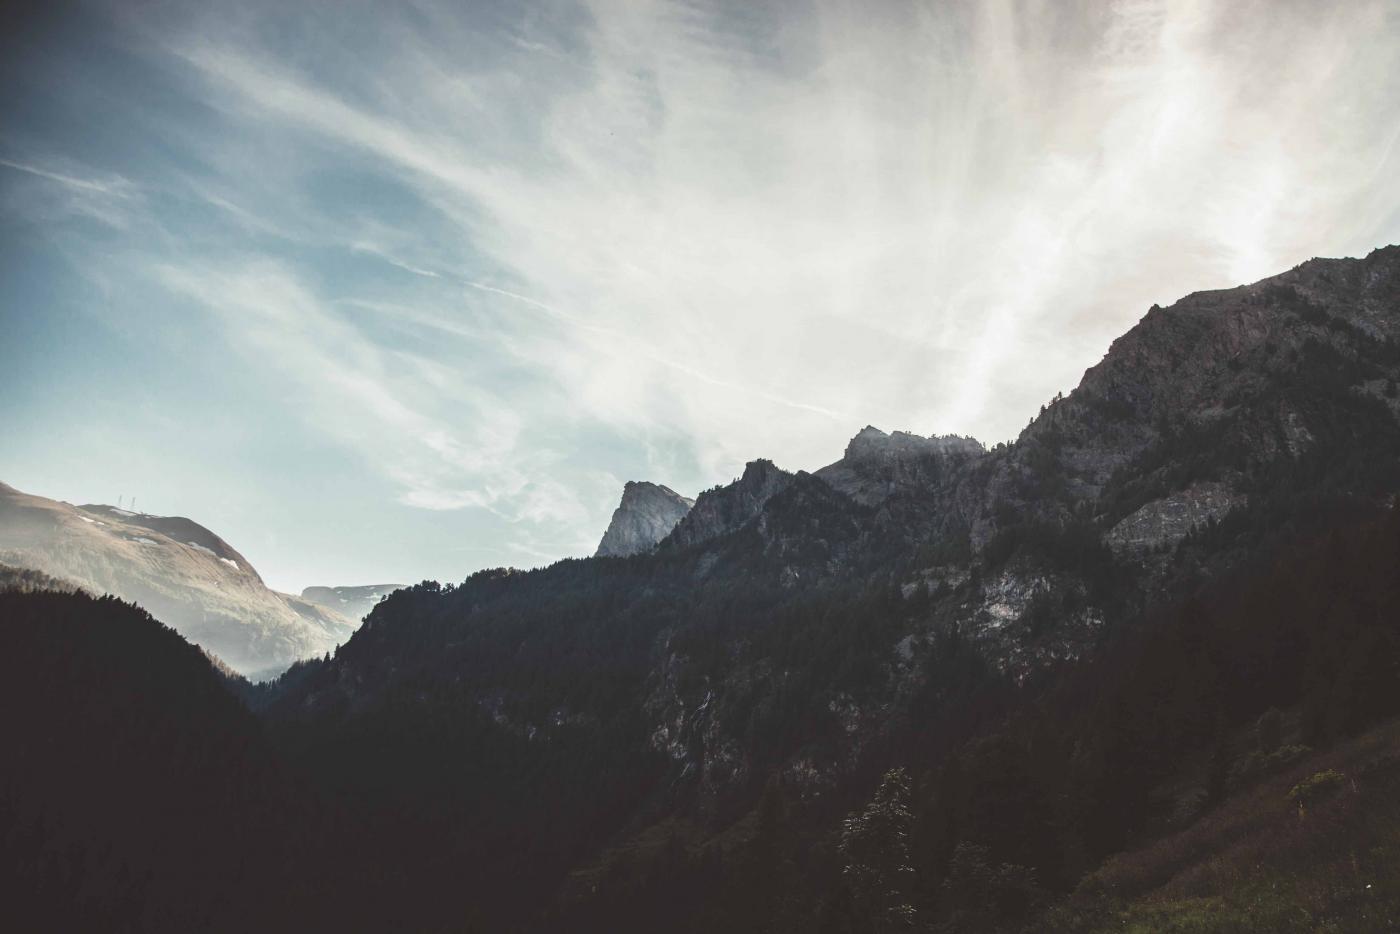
(1257, 864)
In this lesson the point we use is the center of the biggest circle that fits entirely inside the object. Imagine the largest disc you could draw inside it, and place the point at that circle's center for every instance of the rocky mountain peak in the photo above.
(647, 514)
(877, 464)
(868, 439)
(760, 473)
(725, 508)
(872, 442)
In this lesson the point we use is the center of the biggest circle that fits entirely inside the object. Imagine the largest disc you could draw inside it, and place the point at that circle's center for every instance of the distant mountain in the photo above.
(181, 572)
(647, 514)
(353, 603)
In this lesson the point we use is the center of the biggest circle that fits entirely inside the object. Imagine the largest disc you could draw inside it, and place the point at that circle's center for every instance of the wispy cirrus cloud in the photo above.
(386, 404)
(64, 190)
(116, 187)
(761, 202)
(503, 257)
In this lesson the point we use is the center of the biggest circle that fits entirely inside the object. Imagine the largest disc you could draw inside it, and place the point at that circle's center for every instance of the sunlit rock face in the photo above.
(647, 514)
(182, 573)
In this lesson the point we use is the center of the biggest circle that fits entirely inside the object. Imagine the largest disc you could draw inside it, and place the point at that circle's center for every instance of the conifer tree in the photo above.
(875, 848)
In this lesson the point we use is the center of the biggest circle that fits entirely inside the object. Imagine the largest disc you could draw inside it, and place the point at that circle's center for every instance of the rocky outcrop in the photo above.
(182, 573)
(647, 514)
(1168, 520)
(727, 508)
(876, 465)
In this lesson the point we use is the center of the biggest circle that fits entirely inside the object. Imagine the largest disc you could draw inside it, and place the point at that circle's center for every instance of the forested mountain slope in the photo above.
(136, 792)
(808, 633)
(931, 685)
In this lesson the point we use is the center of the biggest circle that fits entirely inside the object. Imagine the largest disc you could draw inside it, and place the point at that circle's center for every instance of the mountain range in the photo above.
(1045, 685)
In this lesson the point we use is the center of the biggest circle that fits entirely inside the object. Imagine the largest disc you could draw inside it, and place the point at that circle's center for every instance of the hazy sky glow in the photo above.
(384, 292)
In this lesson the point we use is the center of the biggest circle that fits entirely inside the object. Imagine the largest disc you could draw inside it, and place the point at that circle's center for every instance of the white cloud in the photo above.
(709, 236)
(787, 223)
(116, 187)
(67, 190)
(388, 405)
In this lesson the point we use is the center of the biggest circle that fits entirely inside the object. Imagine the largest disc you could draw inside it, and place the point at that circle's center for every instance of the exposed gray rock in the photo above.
(647, 514)
(726, 508)
(1168, 520)
(931, 580)
(877, 465)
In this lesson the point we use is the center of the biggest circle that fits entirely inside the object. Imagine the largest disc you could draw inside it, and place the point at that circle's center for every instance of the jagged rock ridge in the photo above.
(876, 464)
(723, 509)
(647, 514)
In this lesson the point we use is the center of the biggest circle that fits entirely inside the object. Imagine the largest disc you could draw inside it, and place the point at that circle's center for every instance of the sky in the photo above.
(387, 292)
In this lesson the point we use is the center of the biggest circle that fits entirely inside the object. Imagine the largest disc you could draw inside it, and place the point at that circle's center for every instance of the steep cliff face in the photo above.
(647, 514)
(724, 509)
(178, 570)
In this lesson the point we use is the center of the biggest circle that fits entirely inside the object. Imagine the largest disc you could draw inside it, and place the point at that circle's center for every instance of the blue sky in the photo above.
(394, 291)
